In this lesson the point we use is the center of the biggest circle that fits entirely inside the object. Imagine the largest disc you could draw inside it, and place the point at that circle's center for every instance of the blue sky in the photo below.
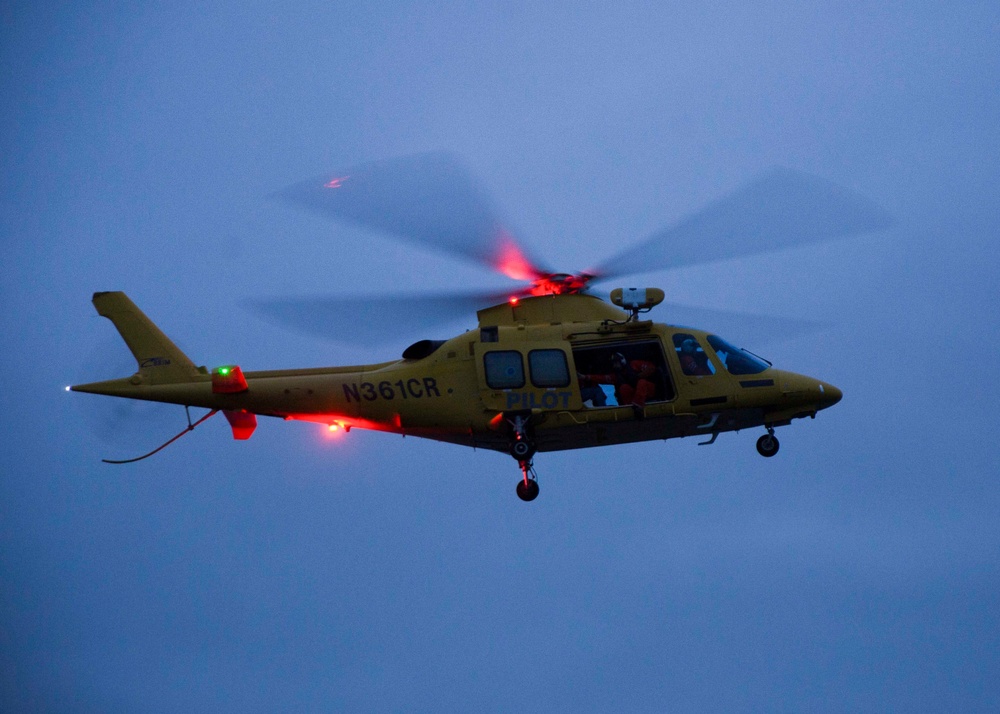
(857, 570)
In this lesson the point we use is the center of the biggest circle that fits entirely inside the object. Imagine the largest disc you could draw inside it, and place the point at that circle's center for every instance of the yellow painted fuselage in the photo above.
(467, 390)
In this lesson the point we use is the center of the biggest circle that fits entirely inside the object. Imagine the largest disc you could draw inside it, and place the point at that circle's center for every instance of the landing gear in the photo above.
(522, 449)
(768, 445)
(527, 487)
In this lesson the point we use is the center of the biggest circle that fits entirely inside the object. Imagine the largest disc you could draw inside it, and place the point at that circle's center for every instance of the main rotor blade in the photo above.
(747, 329)
(373, 321)
(429, 198)
(781, 209)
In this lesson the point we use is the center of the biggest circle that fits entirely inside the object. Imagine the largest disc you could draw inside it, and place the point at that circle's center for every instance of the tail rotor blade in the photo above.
(117, 422)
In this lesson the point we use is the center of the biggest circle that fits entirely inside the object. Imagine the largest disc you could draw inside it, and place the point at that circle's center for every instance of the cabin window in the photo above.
(548, 368)
(694, 361)
(504, 369)
(736, 360)
(623, 373)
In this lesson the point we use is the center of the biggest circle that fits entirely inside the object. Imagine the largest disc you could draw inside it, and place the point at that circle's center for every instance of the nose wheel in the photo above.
(768, 445)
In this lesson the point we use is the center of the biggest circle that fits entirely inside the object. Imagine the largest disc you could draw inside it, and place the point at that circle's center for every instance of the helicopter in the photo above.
(551, 366)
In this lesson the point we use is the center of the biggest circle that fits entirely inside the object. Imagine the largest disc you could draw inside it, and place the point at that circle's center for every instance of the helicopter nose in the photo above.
(809, 391)
(828, 395)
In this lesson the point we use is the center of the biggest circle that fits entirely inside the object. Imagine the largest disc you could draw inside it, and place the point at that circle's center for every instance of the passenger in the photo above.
(631, 379)
(591, 389)
(635, 384)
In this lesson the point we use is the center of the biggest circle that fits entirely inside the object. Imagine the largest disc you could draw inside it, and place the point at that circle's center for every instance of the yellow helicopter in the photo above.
(550, 366)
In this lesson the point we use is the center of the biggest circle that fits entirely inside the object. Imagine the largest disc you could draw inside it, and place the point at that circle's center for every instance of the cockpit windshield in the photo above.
(736, 360)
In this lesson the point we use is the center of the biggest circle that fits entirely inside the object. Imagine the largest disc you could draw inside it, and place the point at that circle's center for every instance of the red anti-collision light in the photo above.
(229, 380)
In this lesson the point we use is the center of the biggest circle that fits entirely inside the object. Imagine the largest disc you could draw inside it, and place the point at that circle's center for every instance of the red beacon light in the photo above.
(514, 300)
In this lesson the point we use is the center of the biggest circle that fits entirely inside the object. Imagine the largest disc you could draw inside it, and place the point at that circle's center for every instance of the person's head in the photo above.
(689, 346)
(618, 360)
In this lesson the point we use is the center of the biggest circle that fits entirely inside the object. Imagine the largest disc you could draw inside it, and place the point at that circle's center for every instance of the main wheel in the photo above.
(527, 491)
(767, 445)
(522, 450)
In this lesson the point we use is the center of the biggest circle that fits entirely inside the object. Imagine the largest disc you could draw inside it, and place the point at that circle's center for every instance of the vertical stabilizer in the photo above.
(160, 360)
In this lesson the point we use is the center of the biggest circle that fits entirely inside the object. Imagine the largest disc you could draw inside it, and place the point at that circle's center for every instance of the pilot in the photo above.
(694, 362)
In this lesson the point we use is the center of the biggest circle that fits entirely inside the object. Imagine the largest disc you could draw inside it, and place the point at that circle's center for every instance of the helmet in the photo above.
(689, 346)
(618, 360)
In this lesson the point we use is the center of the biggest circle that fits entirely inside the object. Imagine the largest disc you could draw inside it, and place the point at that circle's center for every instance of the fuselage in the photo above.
(572, 367)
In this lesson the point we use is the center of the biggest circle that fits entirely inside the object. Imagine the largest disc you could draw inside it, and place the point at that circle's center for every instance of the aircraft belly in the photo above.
(605, 433)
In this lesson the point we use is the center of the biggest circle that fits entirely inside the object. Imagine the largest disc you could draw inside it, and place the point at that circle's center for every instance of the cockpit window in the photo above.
(736, 360)
(694, 361)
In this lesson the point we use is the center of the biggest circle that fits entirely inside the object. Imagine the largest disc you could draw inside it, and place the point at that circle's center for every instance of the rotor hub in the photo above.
(560, 284)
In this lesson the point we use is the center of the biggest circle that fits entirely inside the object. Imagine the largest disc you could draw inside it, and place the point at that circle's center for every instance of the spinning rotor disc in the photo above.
(434, 200)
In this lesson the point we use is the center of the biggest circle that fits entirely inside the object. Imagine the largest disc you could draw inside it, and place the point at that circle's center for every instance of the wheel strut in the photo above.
(521, 447)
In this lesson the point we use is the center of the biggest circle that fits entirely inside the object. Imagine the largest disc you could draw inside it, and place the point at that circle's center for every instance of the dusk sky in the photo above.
(143, 148)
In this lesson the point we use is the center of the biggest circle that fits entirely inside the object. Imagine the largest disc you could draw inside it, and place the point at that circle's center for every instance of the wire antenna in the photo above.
(190, 427)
